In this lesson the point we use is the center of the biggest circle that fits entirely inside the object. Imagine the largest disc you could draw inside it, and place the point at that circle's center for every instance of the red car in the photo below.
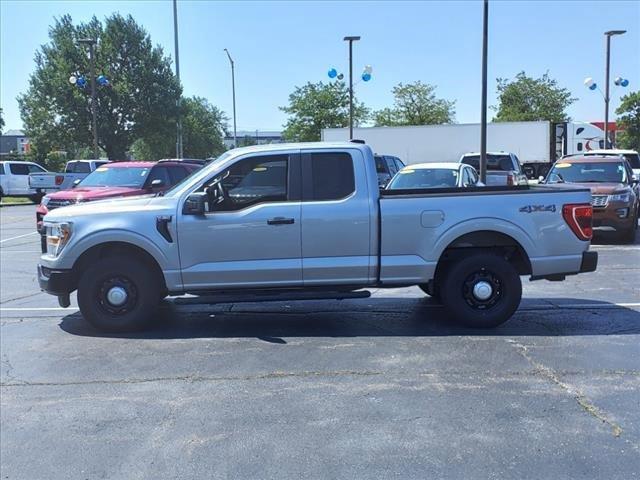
(119, 179)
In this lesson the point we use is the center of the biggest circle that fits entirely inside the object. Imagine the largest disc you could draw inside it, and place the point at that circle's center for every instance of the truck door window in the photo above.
(380, 165)
(333, 176)
(254, 180)
(82, 167)
(35, 168)
(19, 168)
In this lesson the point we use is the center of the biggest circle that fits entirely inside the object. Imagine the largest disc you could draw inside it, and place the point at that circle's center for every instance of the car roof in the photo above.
(128, 164)
(612, 151)
(441, 165)
(592, 159)
(488, 153)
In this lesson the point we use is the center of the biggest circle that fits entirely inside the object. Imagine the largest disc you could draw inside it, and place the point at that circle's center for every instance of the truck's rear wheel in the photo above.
(118, 294)
(431, 289)
(481, 290)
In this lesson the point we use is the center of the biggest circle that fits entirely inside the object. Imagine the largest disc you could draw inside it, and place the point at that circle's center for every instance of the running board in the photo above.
(289, 296)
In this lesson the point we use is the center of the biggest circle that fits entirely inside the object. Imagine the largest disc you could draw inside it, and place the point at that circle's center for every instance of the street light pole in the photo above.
(483, 113)
(351, 39)
(608, 34)
(179, 151)
(94, 115)
(233, 92)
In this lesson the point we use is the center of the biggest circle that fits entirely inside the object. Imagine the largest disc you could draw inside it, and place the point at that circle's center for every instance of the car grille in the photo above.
(599, 200)
(59, 203)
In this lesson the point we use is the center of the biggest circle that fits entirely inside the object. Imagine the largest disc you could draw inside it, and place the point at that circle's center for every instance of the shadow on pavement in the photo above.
(373, 317)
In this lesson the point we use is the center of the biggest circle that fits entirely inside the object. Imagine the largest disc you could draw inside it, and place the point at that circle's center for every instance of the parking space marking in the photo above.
(19, 236)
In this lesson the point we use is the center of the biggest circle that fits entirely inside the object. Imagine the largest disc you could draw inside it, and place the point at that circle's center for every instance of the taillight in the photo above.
(59, 179)
(579, 217)
(510, 180)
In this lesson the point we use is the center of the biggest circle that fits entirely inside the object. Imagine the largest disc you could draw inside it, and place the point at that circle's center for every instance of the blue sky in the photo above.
(278, 45)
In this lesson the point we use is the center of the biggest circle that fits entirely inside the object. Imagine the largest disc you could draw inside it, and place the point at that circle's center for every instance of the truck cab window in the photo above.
(251, 181)
(333, 176)
(19, 168)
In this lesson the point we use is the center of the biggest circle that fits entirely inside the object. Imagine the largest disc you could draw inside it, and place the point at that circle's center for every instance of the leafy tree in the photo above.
(532, 99)
(315, 106)
(629, 121)
(415, 104)
(247, 141)
(141, 101)
(1, 121)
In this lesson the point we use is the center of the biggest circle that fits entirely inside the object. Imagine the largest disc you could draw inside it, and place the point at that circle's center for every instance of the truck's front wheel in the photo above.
(118, 294)
(481, 290)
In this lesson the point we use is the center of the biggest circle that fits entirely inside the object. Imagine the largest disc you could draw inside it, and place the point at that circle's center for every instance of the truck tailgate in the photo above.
(45, 180)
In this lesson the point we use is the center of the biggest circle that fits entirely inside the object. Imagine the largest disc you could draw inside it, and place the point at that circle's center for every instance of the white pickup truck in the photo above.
(301, 221)
(74, 170)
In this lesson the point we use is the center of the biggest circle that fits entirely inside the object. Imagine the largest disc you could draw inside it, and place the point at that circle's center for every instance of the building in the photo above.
(253, 137)
(14, 142)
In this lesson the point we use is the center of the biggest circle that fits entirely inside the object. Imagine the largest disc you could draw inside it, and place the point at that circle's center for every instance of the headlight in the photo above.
(45, 201)
(58, 235)
(620, 197)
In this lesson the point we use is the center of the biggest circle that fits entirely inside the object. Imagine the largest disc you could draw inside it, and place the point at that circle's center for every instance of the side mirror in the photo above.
(76, 182)
(157, 183)
(195, 204)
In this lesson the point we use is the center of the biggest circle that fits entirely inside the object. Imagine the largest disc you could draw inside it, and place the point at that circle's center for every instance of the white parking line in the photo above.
(19, 236)
(35, 309)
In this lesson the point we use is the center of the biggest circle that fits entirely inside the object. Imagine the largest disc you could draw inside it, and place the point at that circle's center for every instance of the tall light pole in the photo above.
(483, 113)
(351, 40)
(608, 34)
(179, 150)
(233, 92)
(94, 115)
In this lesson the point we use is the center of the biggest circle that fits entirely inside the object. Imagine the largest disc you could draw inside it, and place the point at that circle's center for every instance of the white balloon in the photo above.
(73, 79)
(368, 69)
(588, 81)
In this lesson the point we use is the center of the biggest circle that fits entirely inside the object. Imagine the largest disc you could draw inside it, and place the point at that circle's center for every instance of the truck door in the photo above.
(252, 237)
(335, 218)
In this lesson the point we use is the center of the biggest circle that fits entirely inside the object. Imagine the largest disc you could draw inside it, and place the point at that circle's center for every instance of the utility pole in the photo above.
(351, 40)
(94, 114)
(483, 113)
(179, 151)
(233, 90)
(608, 34)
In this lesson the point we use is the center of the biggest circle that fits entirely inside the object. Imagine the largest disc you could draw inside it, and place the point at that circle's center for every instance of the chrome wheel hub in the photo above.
(482, 290)
(117, 296)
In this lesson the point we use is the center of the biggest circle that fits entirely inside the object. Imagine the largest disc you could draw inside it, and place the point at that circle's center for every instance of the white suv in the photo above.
(14, 178)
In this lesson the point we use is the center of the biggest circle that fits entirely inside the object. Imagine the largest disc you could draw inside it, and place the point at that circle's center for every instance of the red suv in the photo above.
(119, 179)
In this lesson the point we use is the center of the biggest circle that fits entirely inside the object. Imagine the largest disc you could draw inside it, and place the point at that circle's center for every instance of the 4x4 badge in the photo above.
(538, 208)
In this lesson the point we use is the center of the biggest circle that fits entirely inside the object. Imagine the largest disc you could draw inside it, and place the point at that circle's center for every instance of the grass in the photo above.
(15, 201)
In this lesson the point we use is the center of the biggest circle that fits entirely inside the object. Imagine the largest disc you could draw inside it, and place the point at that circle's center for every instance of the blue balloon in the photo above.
(593, 86)
(333, 73)
(81, 82)
(624, 83)
(366, 76)
(102, 80)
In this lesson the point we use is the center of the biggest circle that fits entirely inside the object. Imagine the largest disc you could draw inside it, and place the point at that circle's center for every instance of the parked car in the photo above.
(14, 179)
(311, 223)
(74, 170)
(434, 175)
(630, 156)
(614, 189)
(118, 179)
(503, 168)
(386, 167)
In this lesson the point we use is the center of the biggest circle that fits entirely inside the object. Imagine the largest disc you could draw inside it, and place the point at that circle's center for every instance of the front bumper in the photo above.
(607, 219)
(56, 282)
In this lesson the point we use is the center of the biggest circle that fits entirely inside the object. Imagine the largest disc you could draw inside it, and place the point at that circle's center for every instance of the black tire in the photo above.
(37, 198)
(630, 235)
(139, 282)
(430, 289)
(505, 290)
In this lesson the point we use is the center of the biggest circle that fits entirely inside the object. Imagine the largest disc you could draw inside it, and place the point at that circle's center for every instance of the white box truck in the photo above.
(536, 144)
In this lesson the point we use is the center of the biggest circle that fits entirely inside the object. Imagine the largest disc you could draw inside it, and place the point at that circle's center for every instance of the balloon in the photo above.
(617, 81)
(102, 80)
(340, 76)
(72, 79)
(588, 82)
(624, 82)
(366, 76)
(368, 69)
(81, 82)
(333, 73)
(593, 86)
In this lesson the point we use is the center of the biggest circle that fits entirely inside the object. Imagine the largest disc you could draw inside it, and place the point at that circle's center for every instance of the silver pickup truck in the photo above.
(303, 221)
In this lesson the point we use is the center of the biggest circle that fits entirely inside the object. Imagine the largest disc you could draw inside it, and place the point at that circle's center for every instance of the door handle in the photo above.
(280, 221)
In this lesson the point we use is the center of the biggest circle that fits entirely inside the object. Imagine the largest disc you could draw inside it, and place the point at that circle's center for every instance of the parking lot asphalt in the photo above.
(370, 388)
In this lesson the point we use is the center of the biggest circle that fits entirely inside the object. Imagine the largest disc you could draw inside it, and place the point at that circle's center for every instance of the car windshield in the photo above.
(596, 172)
(132, 177)
(494, 162)
(408, 178)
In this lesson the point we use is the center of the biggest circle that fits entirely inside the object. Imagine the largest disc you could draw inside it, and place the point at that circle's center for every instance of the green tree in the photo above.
(141, 101)
(415, 104)
(1, 121)
(629, 120)
(315, 106)
(532, 99)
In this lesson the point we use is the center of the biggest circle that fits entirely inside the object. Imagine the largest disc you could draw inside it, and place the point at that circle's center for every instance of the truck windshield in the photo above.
(609, 172)
(494, 162)
(132, 177)
(409, 178)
